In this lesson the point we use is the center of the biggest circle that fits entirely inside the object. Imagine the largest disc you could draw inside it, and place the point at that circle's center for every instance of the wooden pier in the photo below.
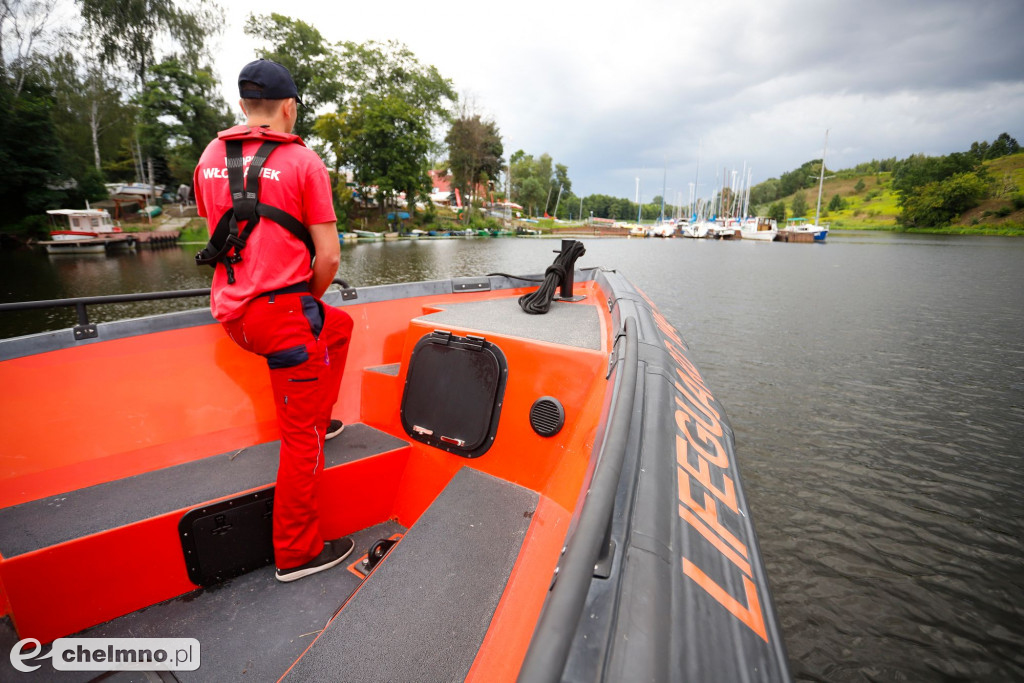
(113, 242)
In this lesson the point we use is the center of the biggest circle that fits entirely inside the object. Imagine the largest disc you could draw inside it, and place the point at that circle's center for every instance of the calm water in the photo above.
(876, 387)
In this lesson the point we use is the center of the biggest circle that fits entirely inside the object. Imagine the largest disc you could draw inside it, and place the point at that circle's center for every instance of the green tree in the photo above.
(918, 170)
(180, 112)
(90, 115)
(330, 129)
(859, 187)
(800, 178)
(569, 206)
(386, 145)
(391, 69)
(765, 192)
(25, 28)
(474, 152)
(1002, 146)
(777, 211)
(979, 150)
(562, 178)
(531, 194)
(30, 154)
(128, 31)
(315, 64)
(937, 203)
(799, 205)
(532, 181)
(837, 203)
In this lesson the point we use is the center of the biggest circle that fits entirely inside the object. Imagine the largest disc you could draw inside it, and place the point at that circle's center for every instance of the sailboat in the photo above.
(798, 231)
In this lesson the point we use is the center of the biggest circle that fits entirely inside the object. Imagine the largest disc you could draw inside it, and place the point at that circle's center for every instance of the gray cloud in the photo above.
(617, 92)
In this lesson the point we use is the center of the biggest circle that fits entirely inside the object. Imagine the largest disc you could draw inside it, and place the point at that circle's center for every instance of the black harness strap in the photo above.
(227, 242)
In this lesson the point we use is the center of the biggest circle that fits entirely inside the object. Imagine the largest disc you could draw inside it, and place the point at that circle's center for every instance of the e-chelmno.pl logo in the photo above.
(108, 654)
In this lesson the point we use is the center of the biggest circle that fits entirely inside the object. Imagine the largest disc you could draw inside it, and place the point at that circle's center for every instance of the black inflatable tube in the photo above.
(549, 647)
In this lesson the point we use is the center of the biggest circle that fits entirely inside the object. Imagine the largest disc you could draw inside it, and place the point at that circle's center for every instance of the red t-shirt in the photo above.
(293, 179)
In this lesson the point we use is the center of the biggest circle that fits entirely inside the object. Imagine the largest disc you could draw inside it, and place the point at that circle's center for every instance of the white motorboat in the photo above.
(759, 228)
(85, 231)
(77, 224)
(697, 230)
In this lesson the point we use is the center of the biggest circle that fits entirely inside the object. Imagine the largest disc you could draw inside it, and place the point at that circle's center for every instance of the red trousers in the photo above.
(305, 343)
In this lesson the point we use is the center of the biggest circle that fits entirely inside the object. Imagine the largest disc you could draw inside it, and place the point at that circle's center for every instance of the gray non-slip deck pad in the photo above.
(569, 324)
(49, 521)
(424, 611)
(250, 628)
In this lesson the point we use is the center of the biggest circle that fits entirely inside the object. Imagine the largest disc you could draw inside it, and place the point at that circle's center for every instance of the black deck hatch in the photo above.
(453, 392)
(229, 538)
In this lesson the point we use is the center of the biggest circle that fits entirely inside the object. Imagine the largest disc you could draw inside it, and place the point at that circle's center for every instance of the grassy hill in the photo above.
(874, 206)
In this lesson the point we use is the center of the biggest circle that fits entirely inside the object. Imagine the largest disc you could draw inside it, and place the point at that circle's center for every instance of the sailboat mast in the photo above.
(696, 180)
(664, 189)
(821, 180)
(638, 201)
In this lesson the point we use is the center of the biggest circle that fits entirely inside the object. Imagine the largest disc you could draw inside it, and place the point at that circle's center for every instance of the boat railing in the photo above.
(549, 648)
(86, 330)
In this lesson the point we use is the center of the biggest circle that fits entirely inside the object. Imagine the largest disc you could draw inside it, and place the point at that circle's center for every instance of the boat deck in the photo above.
(111, 557)
(251, 627)
(410, 617)
(78, 514)
(505, 449)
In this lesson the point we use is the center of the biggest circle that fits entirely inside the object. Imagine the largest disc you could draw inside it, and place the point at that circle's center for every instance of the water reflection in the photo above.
(31, 275)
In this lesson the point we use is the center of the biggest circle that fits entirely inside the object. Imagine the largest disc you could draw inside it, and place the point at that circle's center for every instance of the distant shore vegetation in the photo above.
(103, 97)
(979, 191)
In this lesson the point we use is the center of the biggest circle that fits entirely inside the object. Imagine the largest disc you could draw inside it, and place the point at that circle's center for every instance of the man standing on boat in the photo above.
(268, 203)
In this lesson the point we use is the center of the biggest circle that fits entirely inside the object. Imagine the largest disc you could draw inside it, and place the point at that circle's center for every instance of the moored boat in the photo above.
(725, 230)
(84, 231)
(798, 230)
(368, 235)
(664, 229)
(76, 224)
(137, 189)
(562, 488)
(697, 229)
(759, 228)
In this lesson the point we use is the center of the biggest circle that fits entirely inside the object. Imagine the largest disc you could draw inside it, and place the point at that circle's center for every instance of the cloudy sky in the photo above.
(620, 91)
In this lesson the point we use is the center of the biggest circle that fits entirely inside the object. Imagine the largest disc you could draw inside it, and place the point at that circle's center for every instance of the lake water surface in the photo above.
(876, 387)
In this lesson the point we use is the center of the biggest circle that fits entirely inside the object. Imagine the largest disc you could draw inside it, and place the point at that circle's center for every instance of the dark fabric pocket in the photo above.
(314, 314)
(287, 358)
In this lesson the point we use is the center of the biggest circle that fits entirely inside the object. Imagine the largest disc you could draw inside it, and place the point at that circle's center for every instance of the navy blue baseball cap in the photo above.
(275, 81)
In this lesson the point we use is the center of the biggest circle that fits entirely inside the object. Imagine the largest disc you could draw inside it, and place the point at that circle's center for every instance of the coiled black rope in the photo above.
(539, 301)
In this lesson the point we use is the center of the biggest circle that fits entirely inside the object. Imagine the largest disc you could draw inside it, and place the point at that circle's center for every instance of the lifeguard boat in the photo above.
(533, 496)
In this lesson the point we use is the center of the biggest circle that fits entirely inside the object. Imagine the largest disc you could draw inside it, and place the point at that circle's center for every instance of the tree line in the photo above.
(127, 93)
(122, 93)
(931, 191)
